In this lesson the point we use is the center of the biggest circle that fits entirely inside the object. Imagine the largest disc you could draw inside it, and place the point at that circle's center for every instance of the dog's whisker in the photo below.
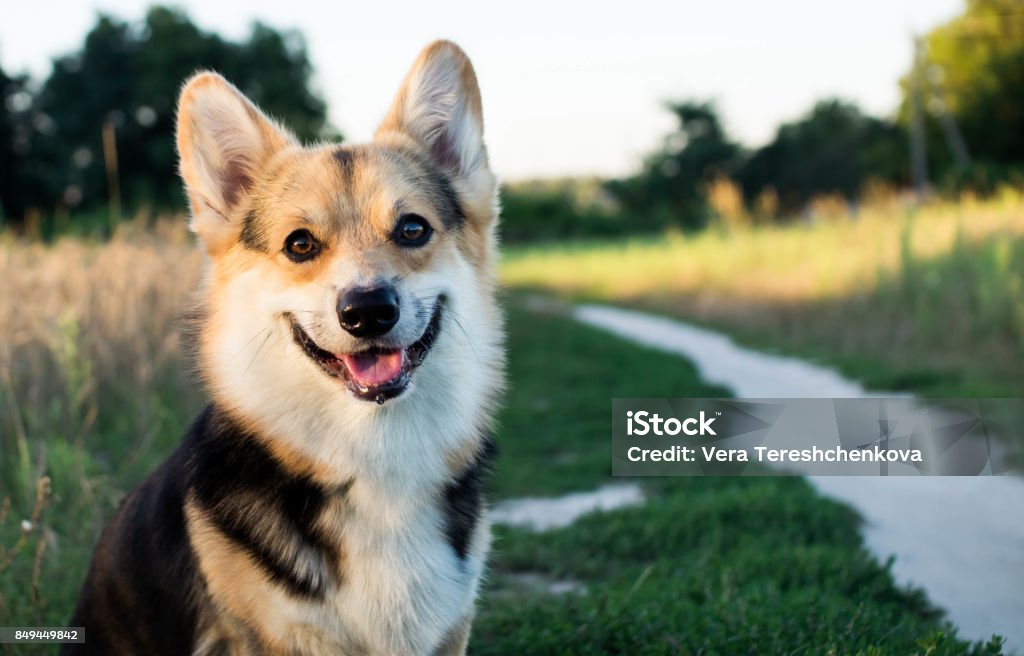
(250, 341)
(456, 318)
(256, 354)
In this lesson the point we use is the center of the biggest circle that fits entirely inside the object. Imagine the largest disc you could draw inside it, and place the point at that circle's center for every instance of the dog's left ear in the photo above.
(438, 107)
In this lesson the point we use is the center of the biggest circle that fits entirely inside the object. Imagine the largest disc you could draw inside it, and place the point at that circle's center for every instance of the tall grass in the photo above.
(928, 298)
(92, 394)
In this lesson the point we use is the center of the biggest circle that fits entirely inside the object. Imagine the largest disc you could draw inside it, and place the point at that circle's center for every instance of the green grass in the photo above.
(717, 566)
(554, 434)
(90, 460)
(709, 565)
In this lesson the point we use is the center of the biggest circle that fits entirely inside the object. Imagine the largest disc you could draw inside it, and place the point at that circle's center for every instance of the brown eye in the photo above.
(301, 245)
(412, 231)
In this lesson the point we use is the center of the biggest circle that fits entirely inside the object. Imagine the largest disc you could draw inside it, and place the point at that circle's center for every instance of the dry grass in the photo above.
(801, 262)
(92, 394)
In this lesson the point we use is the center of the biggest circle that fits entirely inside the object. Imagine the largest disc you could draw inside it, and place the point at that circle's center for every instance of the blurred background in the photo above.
(775, 97)
(837, 182)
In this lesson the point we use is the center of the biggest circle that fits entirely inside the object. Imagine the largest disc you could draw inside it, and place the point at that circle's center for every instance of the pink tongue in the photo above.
(369, 369)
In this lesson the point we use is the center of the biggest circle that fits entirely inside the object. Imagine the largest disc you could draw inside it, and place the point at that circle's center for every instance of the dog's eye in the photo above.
(301, 245)
(412, 231)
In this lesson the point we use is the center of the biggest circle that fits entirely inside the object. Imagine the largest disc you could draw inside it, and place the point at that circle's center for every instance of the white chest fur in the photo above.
(403, 587)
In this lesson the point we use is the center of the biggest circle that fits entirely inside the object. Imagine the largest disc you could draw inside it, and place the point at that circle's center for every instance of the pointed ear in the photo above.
(223, 143)
(438, 106)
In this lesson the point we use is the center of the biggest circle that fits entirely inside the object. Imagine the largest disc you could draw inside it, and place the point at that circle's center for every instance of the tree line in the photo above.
(99, 129)
(123, 83)
(966, 86)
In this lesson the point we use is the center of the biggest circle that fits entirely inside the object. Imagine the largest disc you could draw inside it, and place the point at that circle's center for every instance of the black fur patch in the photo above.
(446, 199)
(138, 594)
(253, 235)
(144, 593)
(463, 499)
(436, 185)
(268, 511)
(345, 157)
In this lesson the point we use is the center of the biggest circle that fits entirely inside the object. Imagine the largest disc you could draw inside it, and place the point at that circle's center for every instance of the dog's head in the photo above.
(346, 276)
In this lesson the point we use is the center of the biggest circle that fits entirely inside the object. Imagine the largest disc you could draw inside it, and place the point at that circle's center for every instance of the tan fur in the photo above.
(237, 584)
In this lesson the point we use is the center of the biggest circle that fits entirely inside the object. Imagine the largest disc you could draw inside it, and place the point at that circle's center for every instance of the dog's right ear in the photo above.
(223, 142)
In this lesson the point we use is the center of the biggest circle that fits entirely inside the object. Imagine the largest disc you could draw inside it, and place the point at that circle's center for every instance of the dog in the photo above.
(330, 498)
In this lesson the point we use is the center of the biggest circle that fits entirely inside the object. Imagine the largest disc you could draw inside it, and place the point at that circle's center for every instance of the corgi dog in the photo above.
(330, 498)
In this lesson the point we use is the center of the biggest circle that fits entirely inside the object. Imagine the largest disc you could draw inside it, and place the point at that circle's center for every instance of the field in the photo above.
(94, 392)
(929, 300)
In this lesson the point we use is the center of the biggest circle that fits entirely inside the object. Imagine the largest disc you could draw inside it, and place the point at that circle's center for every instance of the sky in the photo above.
(569, 88)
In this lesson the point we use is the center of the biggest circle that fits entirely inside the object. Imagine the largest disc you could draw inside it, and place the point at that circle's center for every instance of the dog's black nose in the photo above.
(368, 312)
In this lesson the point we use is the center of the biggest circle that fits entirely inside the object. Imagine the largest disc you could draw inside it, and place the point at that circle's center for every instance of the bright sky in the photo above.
(569, 88)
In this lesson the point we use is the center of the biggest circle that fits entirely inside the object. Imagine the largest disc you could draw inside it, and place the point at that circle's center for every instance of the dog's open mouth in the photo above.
(375, 374)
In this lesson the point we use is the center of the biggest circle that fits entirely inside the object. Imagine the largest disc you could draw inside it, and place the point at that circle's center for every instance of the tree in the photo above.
(22, 177)
(669, 189)
(9, 155)
(974, 70)
(127, 76)
(835, 148)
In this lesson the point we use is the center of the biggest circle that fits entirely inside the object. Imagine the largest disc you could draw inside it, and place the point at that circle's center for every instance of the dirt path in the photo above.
(960, 539)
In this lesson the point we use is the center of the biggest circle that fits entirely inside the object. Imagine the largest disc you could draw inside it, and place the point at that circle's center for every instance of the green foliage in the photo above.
(128, 76)
(555, 210)
(974, 69)
(668, 191)
(17, 174)
(835, 148)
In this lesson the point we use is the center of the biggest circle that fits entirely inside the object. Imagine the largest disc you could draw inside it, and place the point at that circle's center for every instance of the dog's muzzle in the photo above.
(377, 373)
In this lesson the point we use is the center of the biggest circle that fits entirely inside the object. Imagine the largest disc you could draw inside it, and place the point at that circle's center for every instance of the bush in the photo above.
(562, 209)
